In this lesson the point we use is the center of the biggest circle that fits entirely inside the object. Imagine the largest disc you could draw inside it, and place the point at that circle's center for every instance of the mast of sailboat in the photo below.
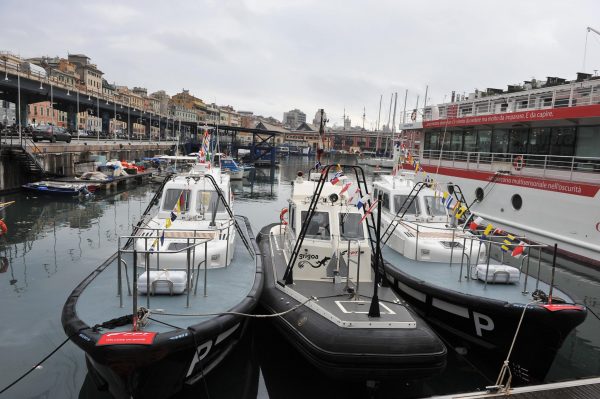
(364, 114)
(378, 139)
(321, 146)
(393, 130)
(404, 112)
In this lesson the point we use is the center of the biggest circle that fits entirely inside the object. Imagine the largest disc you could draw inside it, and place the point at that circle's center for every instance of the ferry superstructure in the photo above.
(528, 158)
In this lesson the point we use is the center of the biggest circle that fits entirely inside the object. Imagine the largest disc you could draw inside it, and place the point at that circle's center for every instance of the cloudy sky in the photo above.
(270, 56)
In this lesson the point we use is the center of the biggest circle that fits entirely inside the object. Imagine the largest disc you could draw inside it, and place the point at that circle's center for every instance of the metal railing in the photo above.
(194, 239)
(572, 94)
(494, 243)
(525, 164)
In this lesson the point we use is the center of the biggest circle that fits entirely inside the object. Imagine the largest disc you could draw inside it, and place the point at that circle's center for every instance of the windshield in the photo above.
(434, 206)
(171, 197)
(206, 201)
(350, 226)
(399, 201)
(318, 227)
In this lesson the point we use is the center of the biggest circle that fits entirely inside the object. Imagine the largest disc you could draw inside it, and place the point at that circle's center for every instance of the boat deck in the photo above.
(579, 389)
(448, 276)
(226, 287)
(335, 299)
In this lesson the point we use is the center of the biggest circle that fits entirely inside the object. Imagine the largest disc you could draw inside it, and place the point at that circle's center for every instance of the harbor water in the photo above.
(52, 244)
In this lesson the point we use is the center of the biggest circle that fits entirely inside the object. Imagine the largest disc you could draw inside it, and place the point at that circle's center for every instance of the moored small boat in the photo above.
(56, 188)
(193, 275)
(319, 279)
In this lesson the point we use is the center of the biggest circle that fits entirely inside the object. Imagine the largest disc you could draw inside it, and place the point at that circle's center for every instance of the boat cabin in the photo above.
(336, 242)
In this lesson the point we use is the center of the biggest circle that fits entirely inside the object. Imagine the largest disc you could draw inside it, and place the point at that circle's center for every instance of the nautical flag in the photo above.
(518, 251)
(475, 223)
(318, 165)
(173, 216)
(345, 188)
(443, 197)
(461, 211)
(336, 177)
(428, 180)
(362, 201)
(355, 192)
(394, 170)
(339, 168)
(168, 223)
(373, 205)
(417, 167)
(487, 230)
(449, 202)
(509, 241)
(162, 238)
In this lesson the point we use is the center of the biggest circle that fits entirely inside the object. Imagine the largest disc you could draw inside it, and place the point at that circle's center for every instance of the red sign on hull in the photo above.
(127, 338)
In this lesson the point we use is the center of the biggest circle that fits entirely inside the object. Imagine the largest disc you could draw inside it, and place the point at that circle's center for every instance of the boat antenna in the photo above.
(378, 139)
(374, 308)
(588, 30)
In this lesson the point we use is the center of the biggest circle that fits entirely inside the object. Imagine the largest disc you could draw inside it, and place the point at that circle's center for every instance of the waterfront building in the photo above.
(317, 118)
(294, 118)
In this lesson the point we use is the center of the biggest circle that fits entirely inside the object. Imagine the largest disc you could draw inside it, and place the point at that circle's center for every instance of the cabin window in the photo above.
(385, 201)
(319, 227)
(293, 216)
(588, 142)
(500, 141)
(399, 200)
(172, 196)
(350, 226)
(470, 141)
(457, 141)
(434, 206)
(539, 141)
(563, 141)
(207, 200)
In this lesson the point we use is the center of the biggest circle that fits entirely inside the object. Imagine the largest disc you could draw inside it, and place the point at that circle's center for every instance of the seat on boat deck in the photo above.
(164, 282)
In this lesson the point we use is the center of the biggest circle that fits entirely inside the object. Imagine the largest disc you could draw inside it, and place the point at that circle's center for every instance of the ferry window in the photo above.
(484, 138)
(319, 225)
(434, 206)
(171, 197)
(350, 226)
(456, 144)
(539, 141)
(500, 141)
(206, 201)
(518, 141)
(516, 201)
(399, 201)
(563, 141)
(588, 141)
(470, 141)
(431, 141)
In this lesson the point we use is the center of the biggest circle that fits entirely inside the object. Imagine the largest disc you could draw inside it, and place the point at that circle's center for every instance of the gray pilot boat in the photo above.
(320, 280)
(184, 281)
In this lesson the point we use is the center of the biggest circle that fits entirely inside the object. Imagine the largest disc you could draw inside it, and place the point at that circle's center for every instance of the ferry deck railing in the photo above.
(192, 243)
(571, 168)
(573, 94)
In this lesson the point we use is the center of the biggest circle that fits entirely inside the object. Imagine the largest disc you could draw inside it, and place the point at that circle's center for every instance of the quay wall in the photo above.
(72, 159)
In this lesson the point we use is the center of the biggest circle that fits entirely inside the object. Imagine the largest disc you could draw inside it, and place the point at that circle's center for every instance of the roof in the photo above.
(267, 126)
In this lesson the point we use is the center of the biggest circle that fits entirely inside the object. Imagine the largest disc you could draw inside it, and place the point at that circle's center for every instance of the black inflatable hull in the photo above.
(178, 357)
(541, 335)
(343, 353)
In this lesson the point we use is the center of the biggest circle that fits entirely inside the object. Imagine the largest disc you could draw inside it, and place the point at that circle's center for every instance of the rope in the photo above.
(256, 316)
(35, 367)
(505, 365)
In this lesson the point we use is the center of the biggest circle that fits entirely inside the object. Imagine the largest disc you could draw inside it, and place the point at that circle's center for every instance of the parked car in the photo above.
(50, 133)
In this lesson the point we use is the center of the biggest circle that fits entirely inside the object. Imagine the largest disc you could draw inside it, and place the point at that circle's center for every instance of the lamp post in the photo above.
(19, 102)
(77, 117)
(128, 118)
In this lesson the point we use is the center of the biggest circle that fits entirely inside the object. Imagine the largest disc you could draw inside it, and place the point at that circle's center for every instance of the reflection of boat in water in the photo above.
(468, 285)
(57, 188)
(343, 321)
(190, 242)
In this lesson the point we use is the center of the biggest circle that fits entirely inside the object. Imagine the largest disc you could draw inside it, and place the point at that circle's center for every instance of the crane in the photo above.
(588, 30)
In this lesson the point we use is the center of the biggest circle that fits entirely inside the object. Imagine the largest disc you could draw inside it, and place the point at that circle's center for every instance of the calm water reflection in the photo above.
(53, 244)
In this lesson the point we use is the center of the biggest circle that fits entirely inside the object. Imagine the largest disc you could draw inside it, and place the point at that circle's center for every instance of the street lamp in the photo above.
(98, 115)
(5, 69)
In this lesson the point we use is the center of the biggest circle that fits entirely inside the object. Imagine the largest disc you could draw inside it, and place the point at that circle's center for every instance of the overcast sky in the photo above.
(270, 56)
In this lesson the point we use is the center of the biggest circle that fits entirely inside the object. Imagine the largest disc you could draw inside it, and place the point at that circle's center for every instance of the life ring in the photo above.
(413, 116)
(3, 228)
(518, 162)
(282, 214)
